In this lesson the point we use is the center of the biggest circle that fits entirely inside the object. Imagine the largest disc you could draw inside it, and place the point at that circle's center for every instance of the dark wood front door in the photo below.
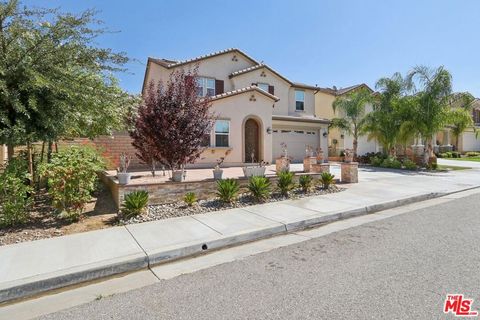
(252, 141)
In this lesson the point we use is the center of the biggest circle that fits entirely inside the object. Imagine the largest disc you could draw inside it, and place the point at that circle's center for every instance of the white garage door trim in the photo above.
(296, 139)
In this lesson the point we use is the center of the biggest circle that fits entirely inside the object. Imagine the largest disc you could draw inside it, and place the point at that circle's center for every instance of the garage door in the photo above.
(470, 142)
(296, 140)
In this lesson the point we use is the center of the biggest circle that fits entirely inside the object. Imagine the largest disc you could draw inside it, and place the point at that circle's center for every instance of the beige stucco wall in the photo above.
(323, 105)
(218, 67)
(238, 109)
(282, 89)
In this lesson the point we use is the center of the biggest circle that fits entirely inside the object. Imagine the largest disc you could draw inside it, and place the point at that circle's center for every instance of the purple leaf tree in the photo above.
(172, 122)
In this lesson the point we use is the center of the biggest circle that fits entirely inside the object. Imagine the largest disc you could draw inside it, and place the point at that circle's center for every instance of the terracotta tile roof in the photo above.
(243, 90)
(256, 67)
(173, 63)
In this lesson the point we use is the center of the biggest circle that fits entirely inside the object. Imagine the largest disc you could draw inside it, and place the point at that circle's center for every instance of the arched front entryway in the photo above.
(252, 141)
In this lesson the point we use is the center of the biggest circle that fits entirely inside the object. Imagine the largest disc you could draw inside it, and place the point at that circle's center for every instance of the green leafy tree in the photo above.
(54, 81)
(352, 110)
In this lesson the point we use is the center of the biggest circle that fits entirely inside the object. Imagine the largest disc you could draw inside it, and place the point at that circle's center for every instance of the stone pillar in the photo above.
(349, 172)
(447, 138)
(320, 167)
(307, 163)
(282, 164)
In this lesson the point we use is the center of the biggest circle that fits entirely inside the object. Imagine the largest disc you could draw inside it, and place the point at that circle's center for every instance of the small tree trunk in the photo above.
(49, 151)
(56, 147)
(30, 164)
(10, 151)
(355, 147)
(43, 151)
(427, 152)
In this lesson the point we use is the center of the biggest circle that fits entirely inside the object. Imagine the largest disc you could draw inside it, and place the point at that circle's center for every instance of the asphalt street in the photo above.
(398, 268)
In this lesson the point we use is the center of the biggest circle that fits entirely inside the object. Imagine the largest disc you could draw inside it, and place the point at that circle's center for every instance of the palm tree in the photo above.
(431, 105)
(462, 104)
(384, 122)
(352, 109)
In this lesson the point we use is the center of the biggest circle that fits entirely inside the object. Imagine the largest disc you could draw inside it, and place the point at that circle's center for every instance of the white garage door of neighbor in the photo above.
(470, 142)
(296, 140)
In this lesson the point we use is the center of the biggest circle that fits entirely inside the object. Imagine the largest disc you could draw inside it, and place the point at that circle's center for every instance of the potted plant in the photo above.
(283, 163)
(258, 170)
(217, 172)
(319, 155)
(348, 155)
(179, 175)
(122, 174)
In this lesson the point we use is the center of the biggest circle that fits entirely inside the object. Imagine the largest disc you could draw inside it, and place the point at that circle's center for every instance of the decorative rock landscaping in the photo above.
(180, 209)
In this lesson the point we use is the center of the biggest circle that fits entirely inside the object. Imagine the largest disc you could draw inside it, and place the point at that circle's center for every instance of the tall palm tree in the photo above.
(431, 107)
(462, 104)
(352, 110)
(384, 122)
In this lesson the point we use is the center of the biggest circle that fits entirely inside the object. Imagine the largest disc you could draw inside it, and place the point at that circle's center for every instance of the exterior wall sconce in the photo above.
(269, 130)
(342, 136)
(325, 134)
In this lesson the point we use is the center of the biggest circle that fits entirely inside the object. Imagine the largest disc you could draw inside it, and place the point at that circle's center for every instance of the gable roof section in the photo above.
(342, 91)
(257, 67)
(244, 90)
(173, 63)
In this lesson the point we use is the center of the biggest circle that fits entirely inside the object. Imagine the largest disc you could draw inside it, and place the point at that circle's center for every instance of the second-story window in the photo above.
(263, 86)
(205, 87)
(299, 100)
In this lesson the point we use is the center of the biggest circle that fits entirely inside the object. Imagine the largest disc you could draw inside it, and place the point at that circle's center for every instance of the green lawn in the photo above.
(476, 159)
(447, 167)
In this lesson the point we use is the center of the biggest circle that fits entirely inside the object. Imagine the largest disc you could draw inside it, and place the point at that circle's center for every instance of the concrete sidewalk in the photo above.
(37, 266)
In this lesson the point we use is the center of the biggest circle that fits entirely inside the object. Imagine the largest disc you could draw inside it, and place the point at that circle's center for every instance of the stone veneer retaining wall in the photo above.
(168, 192)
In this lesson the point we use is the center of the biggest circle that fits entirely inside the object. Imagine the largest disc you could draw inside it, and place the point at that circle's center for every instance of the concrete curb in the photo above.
(29, 286)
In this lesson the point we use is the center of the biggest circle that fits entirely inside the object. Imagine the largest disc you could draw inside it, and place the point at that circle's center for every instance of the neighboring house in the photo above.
(338, 140)
(257, 108)
(468, 140)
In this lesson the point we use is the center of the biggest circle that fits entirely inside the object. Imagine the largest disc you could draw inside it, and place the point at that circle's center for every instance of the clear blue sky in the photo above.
(317, 42)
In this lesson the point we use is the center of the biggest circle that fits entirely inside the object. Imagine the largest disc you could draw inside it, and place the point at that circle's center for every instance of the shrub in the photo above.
(305, 182)
(15, 193)
(472, 154)
(327, 179)
(391, 162)
(259, 188)
(135, 203)
(227, 190)
(455, 154)
(71, 177)
(410, 165)
(285, 182)
(190, 198)
(376, 161)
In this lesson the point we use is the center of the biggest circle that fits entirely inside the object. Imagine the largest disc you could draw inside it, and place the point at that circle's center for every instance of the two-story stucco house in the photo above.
(257, 108)
(338, 140)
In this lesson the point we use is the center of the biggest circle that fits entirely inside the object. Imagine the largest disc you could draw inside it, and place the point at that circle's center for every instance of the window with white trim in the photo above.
(299, 100)
(222, 133)
(205, 87)
(263, 86)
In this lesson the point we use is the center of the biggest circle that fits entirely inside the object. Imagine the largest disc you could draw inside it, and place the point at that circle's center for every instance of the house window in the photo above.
(299, 100)
(476, 117)
(263, 86)
(222, 132)
(205, 87)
